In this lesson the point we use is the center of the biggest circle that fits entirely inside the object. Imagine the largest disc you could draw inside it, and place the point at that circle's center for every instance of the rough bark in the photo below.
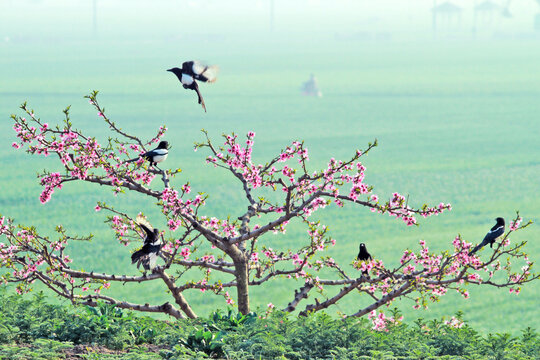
(241, 274)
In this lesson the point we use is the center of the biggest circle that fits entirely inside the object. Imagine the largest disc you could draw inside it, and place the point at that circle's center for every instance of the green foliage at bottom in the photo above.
(45, 349)
(40, 349)
(24, 320)
(34, 329)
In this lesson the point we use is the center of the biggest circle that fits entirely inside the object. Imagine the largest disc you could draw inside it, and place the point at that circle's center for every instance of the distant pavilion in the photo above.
(446, 14)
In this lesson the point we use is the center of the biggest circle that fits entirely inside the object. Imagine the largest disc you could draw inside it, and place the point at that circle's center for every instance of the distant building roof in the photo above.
(487, 6)
(446, 7)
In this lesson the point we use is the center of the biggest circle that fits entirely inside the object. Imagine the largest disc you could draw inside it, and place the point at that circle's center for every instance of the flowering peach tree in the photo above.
(232, 254)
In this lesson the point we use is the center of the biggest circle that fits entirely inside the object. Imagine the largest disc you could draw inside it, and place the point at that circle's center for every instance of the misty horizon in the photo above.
(212, 20)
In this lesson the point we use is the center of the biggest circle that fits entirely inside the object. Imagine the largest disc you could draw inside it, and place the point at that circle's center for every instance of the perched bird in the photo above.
(155, 156)
(149, 252)
(363, 255)
(496, 231)
(192, 71)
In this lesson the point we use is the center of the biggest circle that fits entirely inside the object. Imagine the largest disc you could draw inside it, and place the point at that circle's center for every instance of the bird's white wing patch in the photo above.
(210, 72)
(161, 151)
(198, 67)
(496, 230)
(141, 220)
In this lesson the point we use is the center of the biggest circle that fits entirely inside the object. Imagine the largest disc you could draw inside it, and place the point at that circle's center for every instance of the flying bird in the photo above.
(363, 255)
(192, 71)
(155, 156)
(496, 231)
(149, 252)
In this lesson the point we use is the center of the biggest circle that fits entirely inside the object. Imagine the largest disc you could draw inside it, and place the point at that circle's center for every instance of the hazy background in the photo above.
(454, 103)
(76, 19)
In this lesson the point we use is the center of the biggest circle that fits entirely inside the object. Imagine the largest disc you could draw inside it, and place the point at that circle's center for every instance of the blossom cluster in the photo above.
(313, 190)
(381, 322)
(83, 158)
(28, 257)
(455, 322)
(51, 181)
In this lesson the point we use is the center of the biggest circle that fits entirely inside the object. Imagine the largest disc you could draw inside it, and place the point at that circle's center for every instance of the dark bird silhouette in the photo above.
(192, 71)
(496, 231)
(155, 156)
(149, 252)
(363, 255)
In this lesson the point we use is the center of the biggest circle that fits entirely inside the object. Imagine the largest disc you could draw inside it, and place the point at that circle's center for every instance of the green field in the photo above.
(456, 121)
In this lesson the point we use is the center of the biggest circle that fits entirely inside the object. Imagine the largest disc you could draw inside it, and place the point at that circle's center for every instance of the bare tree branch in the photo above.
(298, 296)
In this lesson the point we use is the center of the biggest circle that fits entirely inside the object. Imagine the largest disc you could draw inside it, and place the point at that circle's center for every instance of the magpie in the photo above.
(155, 156)
(149, 252)
(496, 231)
(192, 71)
(363, 255)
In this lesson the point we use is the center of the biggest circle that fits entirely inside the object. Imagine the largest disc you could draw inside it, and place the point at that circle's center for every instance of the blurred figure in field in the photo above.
(311, 87)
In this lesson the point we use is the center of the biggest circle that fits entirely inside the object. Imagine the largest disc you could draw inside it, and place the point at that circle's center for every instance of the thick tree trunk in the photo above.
(241, 274)
(241, 261)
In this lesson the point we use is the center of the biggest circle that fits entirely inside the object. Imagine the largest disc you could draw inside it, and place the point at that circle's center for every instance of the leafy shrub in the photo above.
(24, 320)
(231, 320)
(47, 330)
(206, 341)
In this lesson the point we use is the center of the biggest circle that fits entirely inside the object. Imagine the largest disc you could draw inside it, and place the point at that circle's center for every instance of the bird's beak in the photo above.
(169, 69)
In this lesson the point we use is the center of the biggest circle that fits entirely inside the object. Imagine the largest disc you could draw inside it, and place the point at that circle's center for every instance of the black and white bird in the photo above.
(496, 232)
(156, 155)
(363, 255)
(192, 71)
(148, 254)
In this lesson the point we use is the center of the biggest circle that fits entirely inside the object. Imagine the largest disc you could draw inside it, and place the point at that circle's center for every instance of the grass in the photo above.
(456, 122)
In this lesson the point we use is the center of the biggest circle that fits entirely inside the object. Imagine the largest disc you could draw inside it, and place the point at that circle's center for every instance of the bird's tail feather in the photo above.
(475, 249)
(201, 100)
(136, 256)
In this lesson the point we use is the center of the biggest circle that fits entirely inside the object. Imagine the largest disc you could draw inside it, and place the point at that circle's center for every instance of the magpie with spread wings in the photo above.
(148, 254)
(192, 71)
